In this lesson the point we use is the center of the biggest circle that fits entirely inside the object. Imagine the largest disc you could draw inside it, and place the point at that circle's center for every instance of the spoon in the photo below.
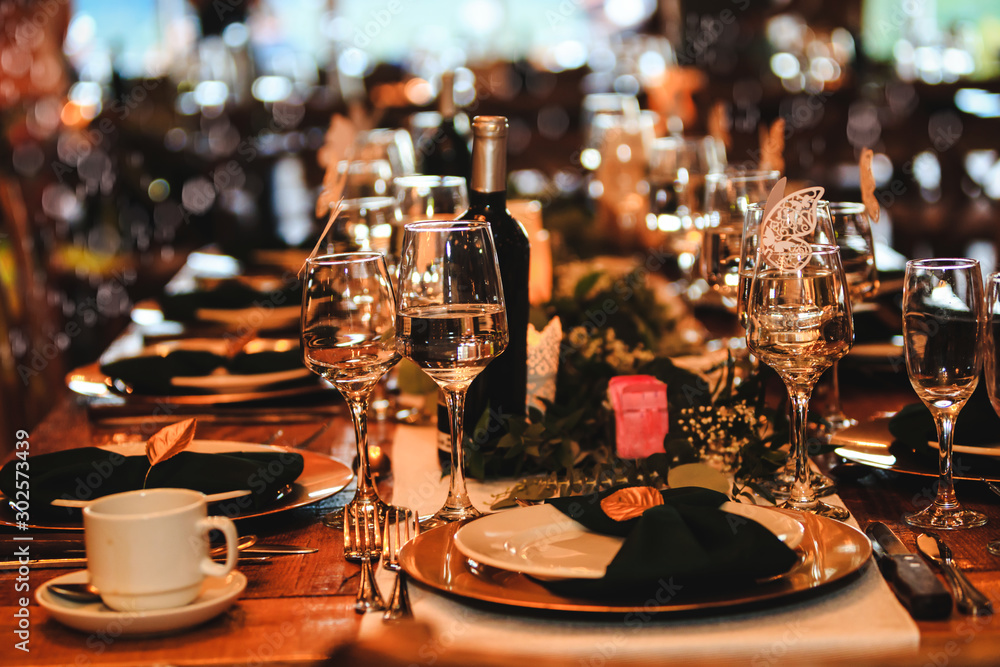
(86, 592)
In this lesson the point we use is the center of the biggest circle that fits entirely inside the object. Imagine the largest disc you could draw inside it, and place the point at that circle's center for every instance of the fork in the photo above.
(362, 541)
(401, 526)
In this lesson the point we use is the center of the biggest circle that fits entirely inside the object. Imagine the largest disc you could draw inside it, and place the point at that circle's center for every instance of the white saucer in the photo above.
(217, 595)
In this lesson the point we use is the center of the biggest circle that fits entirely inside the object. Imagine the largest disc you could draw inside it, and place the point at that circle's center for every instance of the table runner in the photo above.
(862, 619)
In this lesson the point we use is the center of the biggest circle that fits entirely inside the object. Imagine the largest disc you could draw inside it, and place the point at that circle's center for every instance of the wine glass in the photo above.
(799, 323)
(452, 323)
(857, 253)
(348, 339)
(676, 176)
(943, 321)
(728, 196)
(992, 358)
(781, 483)
(363, 224)
(389, 144)
(422, 197)
(614, 153)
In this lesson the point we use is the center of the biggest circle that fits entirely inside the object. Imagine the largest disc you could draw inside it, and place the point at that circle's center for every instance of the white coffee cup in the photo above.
(149, 549)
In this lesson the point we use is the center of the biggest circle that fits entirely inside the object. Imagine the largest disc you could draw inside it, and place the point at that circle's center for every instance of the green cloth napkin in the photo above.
(229, 295)
(152, 374)
(977, 424)
(685, 546)
(90, 472)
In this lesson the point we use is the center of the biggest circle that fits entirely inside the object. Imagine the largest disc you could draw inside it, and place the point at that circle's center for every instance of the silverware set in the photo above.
(915, 585)
(369, 537)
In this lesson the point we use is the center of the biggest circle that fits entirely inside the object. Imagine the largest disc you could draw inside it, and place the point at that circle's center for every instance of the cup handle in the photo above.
(228, 529)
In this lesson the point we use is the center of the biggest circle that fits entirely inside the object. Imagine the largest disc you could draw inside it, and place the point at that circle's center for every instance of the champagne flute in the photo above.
(992, 365)
(799, 323)
(857, 253)
(348, 339)
(943, 320)
(452, 323)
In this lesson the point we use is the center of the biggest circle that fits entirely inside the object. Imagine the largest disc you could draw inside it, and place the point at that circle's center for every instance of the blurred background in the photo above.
(134, 132)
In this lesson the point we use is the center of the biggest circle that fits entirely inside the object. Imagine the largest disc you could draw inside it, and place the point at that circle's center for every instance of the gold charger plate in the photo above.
(871, 444)
(322, 476)
(830, 551)
(88, 380)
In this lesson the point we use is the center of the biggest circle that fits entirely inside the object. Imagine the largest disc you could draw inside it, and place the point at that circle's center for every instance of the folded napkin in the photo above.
(977, 424)
(153, 374)
(90, 472)
(685, 544)
(229, 295)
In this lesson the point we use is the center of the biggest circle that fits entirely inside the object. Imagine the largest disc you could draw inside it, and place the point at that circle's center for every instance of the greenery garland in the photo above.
(619, 326)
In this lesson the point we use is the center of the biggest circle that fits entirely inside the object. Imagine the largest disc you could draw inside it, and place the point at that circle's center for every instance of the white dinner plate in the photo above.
(217, 595)
(978, 450)
(322, 476)
(543, 542)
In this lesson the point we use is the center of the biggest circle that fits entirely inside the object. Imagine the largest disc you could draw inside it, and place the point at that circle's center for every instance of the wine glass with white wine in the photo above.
(451, 323)
(799, 323)
(348, 339)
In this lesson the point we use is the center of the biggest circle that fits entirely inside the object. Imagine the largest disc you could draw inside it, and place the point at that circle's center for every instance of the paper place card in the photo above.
(786, 226)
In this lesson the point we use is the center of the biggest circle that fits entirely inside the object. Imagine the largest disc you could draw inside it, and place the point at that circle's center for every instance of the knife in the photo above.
(49, 563)
(258, 550)
(910, 578)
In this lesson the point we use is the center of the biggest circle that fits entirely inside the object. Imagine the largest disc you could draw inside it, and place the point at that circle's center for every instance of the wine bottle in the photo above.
(502, 385)
(444, 151)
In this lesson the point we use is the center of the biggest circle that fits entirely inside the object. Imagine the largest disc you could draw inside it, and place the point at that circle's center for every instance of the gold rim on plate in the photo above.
(830, 551)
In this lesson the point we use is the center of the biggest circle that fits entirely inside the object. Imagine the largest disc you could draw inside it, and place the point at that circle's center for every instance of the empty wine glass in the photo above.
(993, 358)
(422, 197)
(728, 196)
(799, 322)
(857, 253)
(676, 177)
(943, 320)
(363, 224)
(452, 323)
(348, 339)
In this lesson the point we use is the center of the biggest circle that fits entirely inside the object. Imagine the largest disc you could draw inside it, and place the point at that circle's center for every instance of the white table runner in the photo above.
(862, 619)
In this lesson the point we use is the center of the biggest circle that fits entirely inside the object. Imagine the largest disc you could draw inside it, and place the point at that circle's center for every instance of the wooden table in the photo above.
(298, 609)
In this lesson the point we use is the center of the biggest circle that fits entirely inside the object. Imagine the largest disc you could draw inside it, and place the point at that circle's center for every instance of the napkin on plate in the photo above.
(153, 374)
(90, 472)
(977, 424)
(685, 543)
(229, 295)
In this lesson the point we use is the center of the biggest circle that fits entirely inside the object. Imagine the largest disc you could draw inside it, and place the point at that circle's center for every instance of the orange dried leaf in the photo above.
(772, 146)
(868, 185)
(169, 441)
(629, 503)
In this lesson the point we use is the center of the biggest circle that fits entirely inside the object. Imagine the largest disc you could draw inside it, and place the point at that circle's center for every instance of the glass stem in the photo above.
(835, 407)
(945, 498)
(801, 494)
(359, 415)
(458, 496)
